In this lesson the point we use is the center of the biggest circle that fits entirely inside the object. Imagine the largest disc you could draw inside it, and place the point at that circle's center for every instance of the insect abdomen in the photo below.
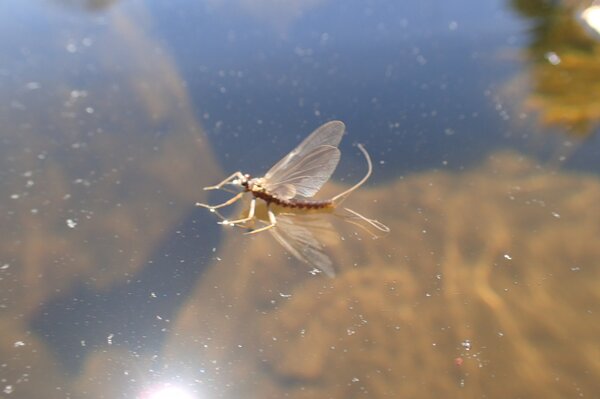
(306, 204)
(293, 203)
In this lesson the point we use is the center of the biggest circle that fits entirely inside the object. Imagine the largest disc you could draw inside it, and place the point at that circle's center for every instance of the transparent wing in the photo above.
(294, 235)
(305, 176)
(307, 167)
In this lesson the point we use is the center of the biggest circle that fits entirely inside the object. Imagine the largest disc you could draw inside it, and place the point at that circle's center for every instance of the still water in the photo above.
(482, 122)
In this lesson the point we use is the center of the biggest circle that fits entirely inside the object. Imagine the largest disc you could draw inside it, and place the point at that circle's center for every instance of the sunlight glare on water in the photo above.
(168, 391)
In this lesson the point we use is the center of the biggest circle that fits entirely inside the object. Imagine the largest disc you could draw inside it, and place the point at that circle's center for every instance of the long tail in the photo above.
(338, 199)
(373, 222)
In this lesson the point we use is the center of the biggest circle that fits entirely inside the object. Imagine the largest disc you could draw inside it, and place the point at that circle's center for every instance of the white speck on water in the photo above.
(15, 196)
(153, 294)
(575, 268)
(84, 182)
(281, 294)
(18, 344)
(552, 58)
(507, 256)
(453, 25)
(466, 344)
(71, 223)
(109, 339)
(32, 86)
(8, 389)
(82, 342)
(89, 110)
(5, 266)
(556, 215)
(71, 48)
(355, 379)
(78, 94)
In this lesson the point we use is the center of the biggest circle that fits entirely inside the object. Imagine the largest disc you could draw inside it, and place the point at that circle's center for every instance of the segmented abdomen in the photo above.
(294, 202)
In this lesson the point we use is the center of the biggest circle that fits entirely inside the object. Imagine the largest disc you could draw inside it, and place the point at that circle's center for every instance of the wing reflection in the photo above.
(293, 232)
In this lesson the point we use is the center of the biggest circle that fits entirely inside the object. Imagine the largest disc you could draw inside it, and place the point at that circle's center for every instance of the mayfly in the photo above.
(287, 189)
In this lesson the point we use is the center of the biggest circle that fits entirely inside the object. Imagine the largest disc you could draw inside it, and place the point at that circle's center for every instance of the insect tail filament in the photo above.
(338, 199)
(373, 222)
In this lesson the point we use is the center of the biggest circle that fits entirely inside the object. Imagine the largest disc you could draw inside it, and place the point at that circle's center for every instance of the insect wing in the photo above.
(295, 236)
(306, 176)
(306, 168)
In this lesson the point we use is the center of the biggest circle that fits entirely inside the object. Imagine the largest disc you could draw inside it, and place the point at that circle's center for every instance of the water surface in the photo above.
(482, 123)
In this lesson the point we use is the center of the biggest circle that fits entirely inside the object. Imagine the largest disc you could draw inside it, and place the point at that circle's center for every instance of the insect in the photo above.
(287, 190)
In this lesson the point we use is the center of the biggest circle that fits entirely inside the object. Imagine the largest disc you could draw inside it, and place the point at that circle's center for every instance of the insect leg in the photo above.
(243, 220)
(226, 203)
(238, 175)
(272, 219)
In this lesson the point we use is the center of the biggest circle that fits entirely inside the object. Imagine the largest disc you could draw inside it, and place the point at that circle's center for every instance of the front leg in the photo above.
(272, 219)
(239, 175)
(243, 220)
(226, 203)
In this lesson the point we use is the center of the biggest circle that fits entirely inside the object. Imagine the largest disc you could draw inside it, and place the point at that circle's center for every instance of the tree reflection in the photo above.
(565, 65)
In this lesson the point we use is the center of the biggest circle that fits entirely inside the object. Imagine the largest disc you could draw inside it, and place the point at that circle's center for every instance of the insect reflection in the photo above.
(286, 190)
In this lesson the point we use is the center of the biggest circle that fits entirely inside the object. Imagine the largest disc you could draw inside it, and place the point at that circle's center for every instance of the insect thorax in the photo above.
(255, 185)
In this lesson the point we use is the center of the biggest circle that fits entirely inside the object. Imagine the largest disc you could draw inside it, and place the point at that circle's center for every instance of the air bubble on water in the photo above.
(71, 48)
(466, 344)
(552, 58)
